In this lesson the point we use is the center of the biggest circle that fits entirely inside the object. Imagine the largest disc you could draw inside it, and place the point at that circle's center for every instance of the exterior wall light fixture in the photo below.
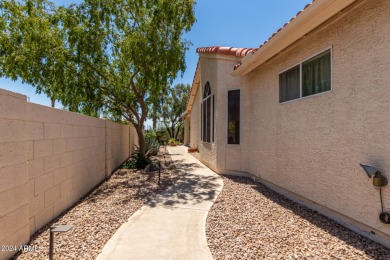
(378, 181)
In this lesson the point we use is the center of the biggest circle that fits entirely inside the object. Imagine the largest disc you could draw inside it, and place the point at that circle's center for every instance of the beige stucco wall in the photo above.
(310, 149)
(49, 158)
(187, 121)
(207, 151)
(313, 146)
(195, 122)
(215, 69)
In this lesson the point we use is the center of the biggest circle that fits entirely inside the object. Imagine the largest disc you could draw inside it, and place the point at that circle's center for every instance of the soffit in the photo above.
(194, 90)
(314, 14)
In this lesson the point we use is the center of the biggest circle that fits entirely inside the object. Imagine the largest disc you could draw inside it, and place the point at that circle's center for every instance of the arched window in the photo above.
(207, 90)
(207, 120)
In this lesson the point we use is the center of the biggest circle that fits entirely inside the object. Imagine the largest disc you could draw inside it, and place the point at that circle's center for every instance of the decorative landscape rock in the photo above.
(250, 221)
(154, 167)
(97, 217)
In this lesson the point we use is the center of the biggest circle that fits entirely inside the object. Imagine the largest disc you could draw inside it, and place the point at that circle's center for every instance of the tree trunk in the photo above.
(154, 123)
(53, 102)
(141, 138)
(173, 131)
(169, 132)
(177, 132)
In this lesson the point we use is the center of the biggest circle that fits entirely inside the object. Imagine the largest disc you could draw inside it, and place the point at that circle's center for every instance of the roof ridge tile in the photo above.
(223, 50)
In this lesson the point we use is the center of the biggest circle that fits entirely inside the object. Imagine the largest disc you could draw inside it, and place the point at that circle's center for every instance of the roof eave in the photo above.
(194, 90)
(315, 14)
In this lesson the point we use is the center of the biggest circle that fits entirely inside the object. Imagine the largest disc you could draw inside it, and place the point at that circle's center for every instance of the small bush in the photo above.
(137, 161)
(130, 164)
(160, 135)
(151, 146)
(151, 135)
(141, 161)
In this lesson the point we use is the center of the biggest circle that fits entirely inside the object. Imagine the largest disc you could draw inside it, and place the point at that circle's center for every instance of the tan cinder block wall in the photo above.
(49, 158)
(67, 162)
(15, 150)
(133, 140)
(117, 145)
(313, 146)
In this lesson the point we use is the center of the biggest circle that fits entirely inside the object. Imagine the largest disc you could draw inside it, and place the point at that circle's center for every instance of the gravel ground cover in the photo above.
(250, 221)
(96, 217)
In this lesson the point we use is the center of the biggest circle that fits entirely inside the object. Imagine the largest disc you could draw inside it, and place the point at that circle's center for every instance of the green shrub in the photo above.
(137, 161)
(151, 146)
(151, 134)
(130, 164)
(160, 135)
(141, 161)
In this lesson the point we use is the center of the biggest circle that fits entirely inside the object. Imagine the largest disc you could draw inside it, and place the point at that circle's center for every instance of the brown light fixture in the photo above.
(378, 181)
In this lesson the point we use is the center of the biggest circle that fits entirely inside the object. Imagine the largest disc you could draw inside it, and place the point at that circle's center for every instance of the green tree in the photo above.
(98, 57)
(173, 106)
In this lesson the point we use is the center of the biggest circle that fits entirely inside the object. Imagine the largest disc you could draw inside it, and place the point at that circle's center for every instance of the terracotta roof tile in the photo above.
(241, 52)
(238, 52)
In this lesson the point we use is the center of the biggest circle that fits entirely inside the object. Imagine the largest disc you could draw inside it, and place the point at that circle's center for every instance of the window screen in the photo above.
(316, 75)
(289, 85)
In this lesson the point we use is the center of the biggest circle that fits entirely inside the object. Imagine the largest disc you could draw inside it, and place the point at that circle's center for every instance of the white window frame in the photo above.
(301, 72)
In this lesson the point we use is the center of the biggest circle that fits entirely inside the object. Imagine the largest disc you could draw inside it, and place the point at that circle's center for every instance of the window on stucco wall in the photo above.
(207, 115)
(233, 126)
(310, 77)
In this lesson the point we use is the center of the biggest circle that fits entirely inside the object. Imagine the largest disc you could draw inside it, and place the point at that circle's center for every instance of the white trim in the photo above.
(302, 98)
(301, 75)
(310, 57)
(289, 68)
(309, 20)
(300, 81)
(331, 68)
(320, 52)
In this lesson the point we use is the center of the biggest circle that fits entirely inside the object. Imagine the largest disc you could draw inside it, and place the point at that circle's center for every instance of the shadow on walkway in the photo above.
(193, 188)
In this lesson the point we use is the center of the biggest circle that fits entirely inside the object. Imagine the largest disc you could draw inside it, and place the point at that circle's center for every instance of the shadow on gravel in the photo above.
(190, 189)
(139, 186)
(353, 239)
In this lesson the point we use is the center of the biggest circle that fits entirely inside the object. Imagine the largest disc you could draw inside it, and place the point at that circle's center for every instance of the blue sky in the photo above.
(244, 23)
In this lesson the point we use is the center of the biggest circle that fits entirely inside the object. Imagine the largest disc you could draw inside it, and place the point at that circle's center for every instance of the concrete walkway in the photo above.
(172, 226)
